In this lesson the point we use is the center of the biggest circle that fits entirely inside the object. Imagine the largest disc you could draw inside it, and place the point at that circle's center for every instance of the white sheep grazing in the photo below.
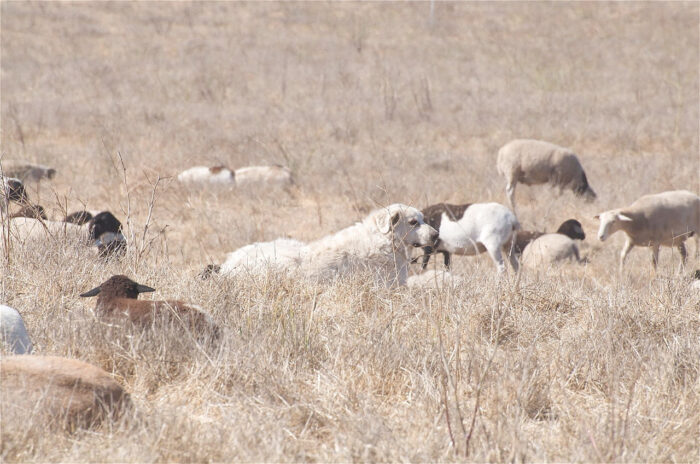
(667, 219)
(471, 229)
(381, 243)
(216, 175)
(549, 249)
(263, 176)
(13, 333)
(26, 171)
(533, 162)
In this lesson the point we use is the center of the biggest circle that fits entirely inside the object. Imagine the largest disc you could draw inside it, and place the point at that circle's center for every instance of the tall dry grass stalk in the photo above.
(369, 104)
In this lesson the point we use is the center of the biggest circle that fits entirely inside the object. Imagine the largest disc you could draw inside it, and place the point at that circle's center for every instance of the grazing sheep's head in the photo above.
(406, 224)
(610, 222)
(118, 286)
(572, 229)
(583, 189)
(104, 222)
(50, 173)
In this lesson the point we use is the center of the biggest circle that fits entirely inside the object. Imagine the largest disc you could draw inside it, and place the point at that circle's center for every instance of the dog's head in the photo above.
(405, 225)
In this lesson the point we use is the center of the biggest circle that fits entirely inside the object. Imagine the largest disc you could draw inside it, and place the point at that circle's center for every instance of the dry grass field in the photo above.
(368, 104)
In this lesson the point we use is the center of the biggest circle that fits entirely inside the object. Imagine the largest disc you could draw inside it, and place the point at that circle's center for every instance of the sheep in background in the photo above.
(216, 175)
(381, 244)
(13, 333)
(117, 300)
(246, 177)
(533, 162)
(570, 228)
(662, 219)
(27, 172)
(549, 249)
(263, 176)
(78, 217)
(471, 229)
(106, 233)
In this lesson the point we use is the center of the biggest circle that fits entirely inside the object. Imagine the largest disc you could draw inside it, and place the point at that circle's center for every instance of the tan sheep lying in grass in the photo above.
(533, 162)
(57, 392)
(117, 300)
(662, 219)
(381, 244)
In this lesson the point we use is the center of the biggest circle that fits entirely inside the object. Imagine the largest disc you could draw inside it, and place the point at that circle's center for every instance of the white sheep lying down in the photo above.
(25, 229)
(533, 162)
(470, 229)
(381, 243)
(662, 219)
(250, 176)
(549, 249)
(13, 333)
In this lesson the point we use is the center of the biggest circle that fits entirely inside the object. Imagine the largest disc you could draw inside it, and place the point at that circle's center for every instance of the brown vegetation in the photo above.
(368, 104)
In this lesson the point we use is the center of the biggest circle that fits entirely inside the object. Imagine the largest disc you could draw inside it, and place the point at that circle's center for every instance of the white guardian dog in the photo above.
(380, 244)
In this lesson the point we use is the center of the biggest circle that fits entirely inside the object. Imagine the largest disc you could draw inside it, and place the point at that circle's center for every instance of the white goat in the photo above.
(13, 333)
(667, 219)
(533, 162)
(470, 229)
(380, 243)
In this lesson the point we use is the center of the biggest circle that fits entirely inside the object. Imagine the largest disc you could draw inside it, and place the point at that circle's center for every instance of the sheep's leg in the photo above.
(510, 192)
(655, 256)
(427, 251)
(497, 257)
(625, 250)
(684, 255)
(446, 256)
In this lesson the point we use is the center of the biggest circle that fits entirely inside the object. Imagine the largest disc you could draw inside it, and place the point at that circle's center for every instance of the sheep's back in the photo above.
(663, 218)
(549, 249)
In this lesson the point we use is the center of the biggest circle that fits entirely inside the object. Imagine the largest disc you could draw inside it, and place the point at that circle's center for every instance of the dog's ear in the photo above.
(395, 218)
(384, 220)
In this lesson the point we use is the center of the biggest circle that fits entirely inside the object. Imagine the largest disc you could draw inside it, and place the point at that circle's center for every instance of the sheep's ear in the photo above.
(144, 289)
(92, 292)
(623, 217)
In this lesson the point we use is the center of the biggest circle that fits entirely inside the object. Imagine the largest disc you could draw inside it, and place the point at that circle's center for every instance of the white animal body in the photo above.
(549, 249)
(662, 219)
(23, 229)
(13, 333)
(533, 162)
(216, 175)
(246, 177)
(26, 171)
(381, 244)
(263, 176)
(470, 229)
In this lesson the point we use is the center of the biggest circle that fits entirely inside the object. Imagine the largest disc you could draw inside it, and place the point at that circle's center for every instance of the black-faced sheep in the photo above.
(471, 229)
(11, 190)
(117, 300)
(662, 219)
(533, 162)
(571, 228)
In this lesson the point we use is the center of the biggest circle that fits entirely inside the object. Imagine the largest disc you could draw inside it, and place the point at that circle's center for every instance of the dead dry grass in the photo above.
(369, 104)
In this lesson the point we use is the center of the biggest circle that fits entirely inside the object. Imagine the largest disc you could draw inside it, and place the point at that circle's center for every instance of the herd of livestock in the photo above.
(382, 245)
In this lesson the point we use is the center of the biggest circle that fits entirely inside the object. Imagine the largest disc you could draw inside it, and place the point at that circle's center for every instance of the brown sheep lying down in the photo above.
(57, 392)
(117, 299)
